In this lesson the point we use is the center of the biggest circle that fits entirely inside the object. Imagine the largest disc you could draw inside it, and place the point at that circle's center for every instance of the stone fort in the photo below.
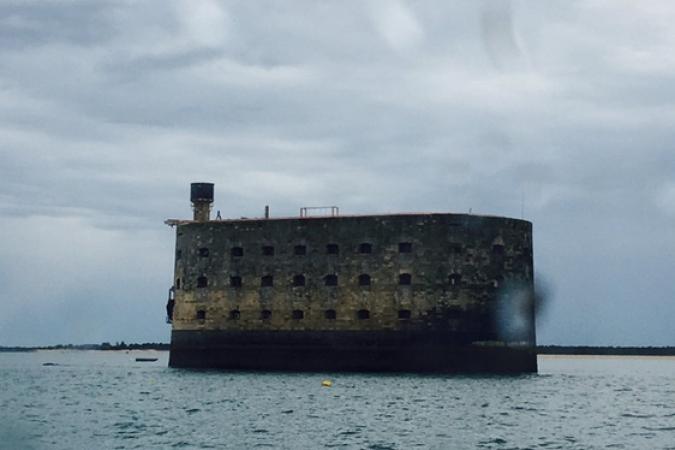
(434, 292)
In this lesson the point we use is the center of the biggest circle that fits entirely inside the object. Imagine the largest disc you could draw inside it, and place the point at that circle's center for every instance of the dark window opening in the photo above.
(179, 254)
(268, 250)
(405, 279)
(364, 279)
(177, 283)
(300, 250)
(404, 314)
(203, 252)
(363, 314)
(498, 281)
(365, 247)
(498, 249)
(299, 280)
(235, 281)
(331, 280)
(267, 281)
(237, 251)
(297, 314)
(332, 249)
(202, 282)
(265, 314)
(201, 314)
(405, 247)
(455, 248)
(330, 314)
(235, 314)
(455, 279)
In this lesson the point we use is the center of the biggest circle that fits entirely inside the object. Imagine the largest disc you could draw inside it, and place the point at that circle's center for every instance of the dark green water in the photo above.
(107, 400)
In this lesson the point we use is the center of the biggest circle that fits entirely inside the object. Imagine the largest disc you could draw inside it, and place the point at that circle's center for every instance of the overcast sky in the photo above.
(108, 110)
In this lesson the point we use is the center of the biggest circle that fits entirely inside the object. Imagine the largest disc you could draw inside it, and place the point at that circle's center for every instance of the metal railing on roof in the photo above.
(313, 211)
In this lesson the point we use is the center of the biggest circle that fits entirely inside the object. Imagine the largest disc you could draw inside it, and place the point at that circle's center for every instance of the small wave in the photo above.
(382, 446)
(348, 433)
(497, 440)
(192, 410)
(638, 416)
(659, 428)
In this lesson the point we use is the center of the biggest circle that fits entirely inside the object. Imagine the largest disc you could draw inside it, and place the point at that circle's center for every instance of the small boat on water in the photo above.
(146, 359)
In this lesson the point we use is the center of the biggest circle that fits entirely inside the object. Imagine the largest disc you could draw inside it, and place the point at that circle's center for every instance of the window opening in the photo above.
(265, 314)
(330, 314)
(365, 247)
(267, 281)
(404, 314)
(297, 314)
(203, 252)
(202, 282)
(332, 249)
(300, 250)
(237, 251)
(405, 279)
(455, 279)
(405, 247)
(268, 250)
(364, 279)
(331, 280)
(201, 314)
(299, 280)
(363, 314)
(235, 281)
(235, 314)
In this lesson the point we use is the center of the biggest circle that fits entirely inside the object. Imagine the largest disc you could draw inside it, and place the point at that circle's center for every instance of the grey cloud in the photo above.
(109, 110)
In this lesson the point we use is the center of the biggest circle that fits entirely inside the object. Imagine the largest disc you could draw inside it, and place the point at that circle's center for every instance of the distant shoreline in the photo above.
(541, 350)
(103, 346)
(600, 351)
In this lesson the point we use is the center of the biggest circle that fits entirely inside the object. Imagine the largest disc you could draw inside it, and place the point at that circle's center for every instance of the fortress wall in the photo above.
(489, 256)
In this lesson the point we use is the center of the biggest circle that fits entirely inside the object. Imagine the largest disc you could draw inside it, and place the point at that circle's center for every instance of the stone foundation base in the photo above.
(358, 351)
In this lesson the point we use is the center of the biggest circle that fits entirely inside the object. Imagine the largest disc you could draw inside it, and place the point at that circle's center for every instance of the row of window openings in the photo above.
(298, 314)
(332, 249)
(329, 280)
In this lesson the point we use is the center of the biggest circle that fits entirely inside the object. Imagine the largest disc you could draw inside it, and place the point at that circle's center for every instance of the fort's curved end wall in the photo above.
(422, 292)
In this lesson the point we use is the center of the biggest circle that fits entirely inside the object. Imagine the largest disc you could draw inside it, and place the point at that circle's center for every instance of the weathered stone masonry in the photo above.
(455, 265)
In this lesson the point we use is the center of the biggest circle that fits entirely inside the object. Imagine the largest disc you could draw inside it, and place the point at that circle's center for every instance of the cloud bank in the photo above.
(108, 110)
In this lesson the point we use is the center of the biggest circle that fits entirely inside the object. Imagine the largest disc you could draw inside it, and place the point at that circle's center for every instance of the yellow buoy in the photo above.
(326, 383)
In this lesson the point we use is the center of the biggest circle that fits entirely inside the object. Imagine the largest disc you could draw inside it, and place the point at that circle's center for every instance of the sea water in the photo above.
(107, 400)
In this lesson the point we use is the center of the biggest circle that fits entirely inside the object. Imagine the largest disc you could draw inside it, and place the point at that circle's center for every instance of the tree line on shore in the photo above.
(102, 346)
(541, 349)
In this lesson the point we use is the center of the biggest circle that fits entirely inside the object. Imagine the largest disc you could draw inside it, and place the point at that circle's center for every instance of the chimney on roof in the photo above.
(201, 196)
